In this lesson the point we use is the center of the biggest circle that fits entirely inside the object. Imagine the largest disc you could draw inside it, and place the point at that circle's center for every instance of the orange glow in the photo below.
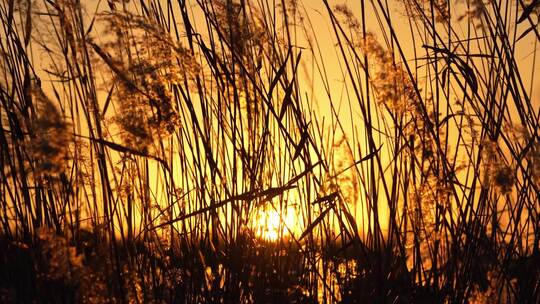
(270, 225)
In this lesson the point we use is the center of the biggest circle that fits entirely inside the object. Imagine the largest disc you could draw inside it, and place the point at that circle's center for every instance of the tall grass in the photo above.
(202, 151)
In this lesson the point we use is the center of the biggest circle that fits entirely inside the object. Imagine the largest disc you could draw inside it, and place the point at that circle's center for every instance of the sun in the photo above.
(271, 225)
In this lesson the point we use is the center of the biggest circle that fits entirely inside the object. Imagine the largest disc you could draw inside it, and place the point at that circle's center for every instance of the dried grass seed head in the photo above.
(51, 138)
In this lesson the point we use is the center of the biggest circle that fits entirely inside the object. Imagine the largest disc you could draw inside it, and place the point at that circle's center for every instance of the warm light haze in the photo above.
(256, 151)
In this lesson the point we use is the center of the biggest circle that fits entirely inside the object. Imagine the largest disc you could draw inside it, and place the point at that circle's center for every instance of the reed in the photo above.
(213, 152)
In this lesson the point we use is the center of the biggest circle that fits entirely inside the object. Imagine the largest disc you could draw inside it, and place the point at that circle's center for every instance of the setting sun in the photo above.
(271, 225)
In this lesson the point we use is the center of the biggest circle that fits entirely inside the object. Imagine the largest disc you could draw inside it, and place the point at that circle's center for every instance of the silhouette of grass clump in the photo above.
(234, 152)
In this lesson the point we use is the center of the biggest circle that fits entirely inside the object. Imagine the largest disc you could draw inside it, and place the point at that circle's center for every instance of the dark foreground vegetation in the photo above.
(156, 151)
